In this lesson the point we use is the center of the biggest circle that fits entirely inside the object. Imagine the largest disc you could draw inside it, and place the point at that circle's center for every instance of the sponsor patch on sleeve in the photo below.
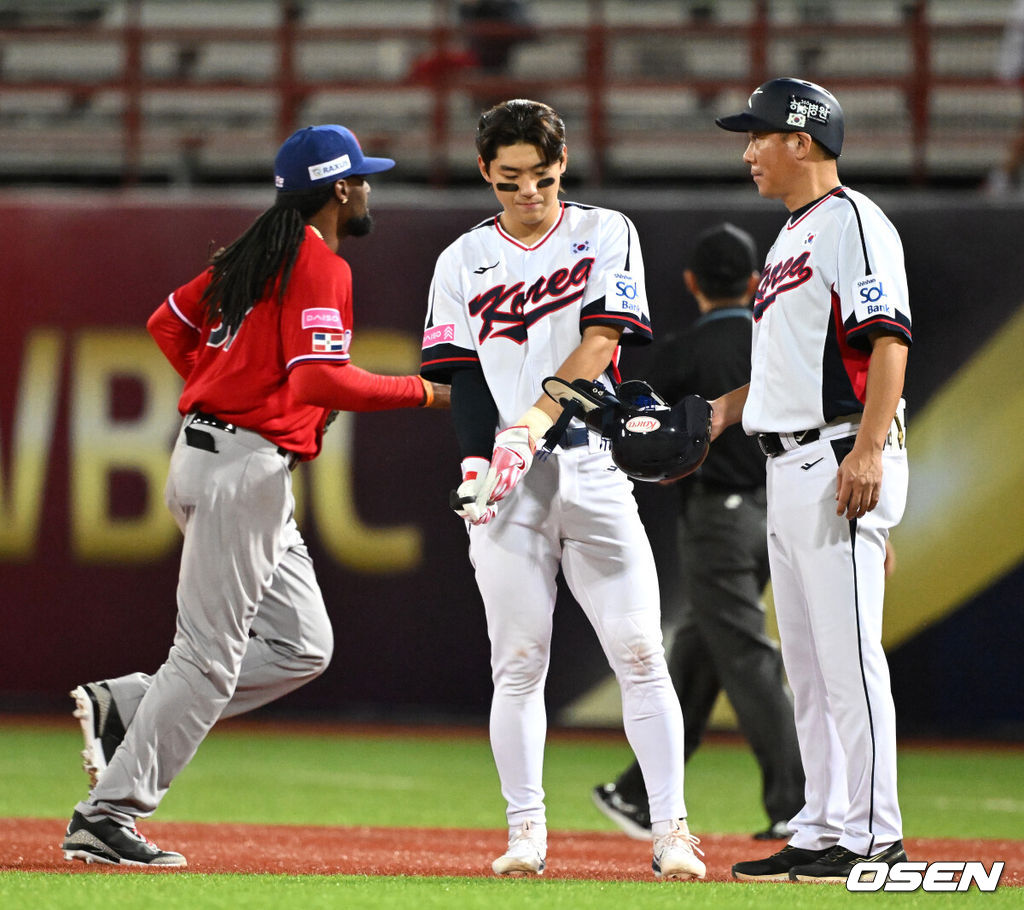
(331, 342)
(623, 293)
(439, 334)
(321, 318)
(870, 299)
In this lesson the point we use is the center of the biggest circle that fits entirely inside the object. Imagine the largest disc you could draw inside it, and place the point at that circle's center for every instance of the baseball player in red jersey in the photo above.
(262, 340)
(549, 288)
(829, 350)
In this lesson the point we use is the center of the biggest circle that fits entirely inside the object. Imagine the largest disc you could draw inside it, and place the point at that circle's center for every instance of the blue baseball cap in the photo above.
(316, 155)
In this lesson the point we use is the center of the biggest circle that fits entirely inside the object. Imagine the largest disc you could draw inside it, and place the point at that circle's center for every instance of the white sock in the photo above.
(659, 829)
(537, 829)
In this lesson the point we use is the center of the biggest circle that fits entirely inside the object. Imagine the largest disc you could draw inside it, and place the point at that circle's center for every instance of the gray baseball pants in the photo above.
(251, 626)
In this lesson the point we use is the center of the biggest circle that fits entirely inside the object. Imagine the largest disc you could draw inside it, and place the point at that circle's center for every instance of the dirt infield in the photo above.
(33, 845)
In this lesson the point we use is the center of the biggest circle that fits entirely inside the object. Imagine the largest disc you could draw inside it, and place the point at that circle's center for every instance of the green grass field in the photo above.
(312, 892)
(267, 775)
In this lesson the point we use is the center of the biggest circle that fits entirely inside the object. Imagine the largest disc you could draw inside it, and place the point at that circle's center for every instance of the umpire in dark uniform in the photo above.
(720, 641)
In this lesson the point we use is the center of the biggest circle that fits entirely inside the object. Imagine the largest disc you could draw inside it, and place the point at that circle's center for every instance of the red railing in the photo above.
(593, 81)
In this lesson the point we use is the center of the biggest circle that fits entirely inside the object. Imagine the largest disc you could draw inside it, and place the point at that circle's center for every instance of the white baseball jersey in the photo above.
(518, 312)
(834, 275)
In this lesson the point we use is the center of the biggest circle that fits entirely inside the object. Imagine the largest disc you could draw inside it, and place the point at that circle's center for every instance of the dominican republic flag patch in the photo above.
(328, 342)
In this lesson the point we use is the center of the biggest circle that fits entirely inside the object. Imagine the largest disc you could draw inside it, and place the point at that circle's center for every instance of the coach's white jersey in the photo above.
(518, 312)
(834, 276)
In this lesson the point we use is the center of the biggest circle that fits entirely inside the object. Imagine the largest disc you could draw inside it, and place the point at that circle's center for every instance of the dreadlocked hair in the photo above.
(243, 272)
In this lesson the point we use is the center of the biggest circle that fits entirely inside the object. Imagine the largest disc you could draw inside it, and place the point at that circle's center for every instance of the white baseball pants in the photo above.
(828, 582)
(577, 510)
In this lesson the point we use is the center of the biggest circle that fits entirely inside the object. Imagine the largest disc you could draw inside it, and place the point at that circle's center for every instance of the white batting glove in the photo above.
(464, 499)
(513, 455)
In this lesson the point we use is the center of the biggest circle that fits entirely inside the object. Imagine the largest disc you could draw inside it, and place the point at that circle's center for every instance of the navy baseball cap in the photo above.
(316, 155)
(789, 105)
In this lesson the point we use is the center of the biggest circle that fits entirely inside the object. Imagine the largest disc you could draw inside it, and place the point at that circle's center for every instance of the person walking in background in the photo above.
(262, 339)
(513, 26)
(550, 288)
(831, 335)
(719, 639)
(489, 32)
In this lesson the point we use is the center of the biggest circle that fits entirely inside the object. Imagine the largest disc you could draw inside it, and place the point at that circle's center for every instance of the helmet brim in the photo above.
(748, 123)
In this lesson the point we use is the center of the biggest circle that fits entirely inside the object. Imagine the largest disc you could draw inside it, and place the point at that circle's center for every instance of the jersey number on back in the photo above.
(221, 335)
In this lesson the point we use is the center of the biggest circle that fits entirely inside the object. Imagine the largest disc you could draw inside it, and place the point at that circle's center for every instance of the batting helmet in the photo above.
(650, 440)
(789, 105)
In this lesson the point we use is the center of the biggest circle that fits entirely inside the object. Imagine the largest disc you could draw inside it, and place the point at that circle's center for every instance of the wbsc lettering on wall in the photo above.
(101, 444)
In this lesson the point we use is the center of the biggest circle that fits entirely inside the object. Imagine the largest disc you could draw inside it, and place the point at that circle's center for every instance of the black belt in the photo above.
(573, 437)
(208, 420)
(196, 440)
(771, 443)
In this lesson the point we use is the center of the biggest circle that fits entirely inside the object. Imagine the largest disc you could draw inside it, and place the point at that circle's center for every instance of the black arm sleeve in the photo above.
(474, 413)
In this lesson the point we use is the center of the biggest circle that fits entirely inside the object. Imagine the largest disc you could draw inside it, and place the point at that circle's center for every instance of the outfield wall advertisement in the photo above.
(88, 553)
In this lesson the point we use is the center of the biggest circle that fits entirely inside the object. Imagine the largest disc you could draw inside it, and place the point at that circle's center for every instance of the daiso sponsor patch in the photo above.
(321, 318)
(439, 334)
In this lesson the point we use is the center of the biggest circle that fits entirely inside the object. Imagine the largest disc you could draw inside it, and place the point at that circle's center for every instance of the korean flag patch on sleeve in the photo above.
(870, 300)
(624, 293)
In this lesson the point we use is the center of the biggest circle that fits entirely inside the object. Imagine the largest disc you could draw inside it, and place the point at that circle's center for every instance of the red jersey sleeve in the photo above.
(175, 325)
(349, 388)
(316, 319)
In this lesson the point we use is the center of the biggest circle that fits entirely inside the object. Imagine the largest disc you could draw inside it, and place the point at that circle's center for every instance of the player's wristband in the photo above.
(428, 392)
(536, 422)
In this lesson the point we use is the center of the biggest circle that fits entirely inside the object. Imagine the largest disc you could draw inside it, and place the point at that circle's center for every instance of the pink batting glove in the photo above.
(510, 460)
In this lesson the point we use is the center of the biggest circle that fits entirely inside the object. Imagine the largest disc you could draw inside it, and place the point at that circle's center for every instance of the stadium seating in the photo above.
(218, 84)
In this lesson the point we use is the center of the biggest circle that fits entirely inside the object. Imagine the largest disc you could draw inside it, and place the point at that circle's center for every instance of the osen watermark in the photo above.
(941, 876)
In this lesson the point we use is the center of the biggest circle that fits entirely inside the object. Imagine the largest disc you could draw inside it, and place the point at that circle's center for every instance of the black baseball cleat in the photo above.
(105, 841)
(636, 822)
(102, 728)
(779, 830)
(775, 868)
(838, 863)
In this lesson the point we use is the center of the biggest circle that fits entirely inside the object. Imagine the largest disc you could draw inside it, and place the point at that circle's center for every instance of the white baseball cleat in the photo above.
(675, 855)
(527, 848)
(102, 729)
